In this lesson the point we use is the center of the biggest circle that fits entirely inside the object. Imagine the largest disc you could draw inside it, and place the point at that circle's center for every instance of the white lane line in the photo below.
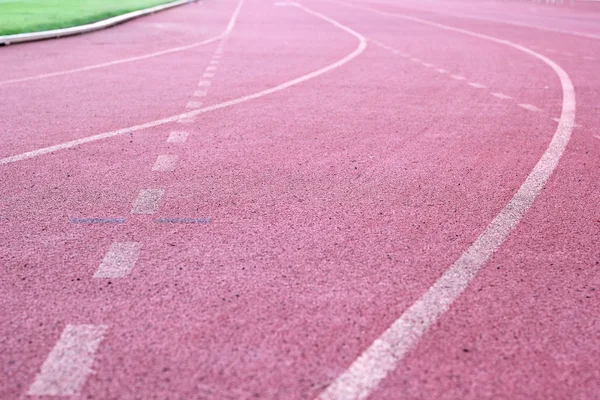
(70, 362)
(200, 93)
(416, 60)
(384, 354)
(119, 260)
(442, 71)
(597, 137)
(193, 104)
(362, 44)
(227, 31)
(208, 75)
(477, 85)
(530, 107)
(177, 137)
(214, 62)
(186, 120)
(501, 95)
(147, 201)
(165, 163)
(458, 77)
(204, 83)
(427, 65)
(211, 68)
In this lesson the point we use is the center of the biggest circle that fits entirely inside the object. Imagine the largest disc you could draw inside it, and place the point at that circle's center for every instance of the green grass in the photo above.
(20, 16)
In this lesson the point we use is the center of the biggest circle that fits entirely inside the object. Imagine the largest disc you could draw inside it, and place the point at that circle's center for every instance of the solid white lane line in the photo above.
(165, 162)
(177, 137)
(147, 201)
(193, 104)
(530, 107)
(227, 31)
(384, 354)
(186, 120)
(119, 260)
(362, 44)
(208, 75)
(501, 95)
(458, 77)
(477, 85)
(70, 362)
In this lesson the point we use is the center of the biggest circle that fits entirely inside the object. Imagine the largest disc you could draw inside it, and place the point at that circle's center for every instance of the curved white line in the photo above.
(213, 39)
(362, 44)
(384, 354)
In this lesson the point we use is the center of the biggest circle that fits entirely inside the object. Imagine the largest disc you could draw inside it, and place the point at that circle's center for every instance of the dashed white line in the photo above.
(200, 93)
(427, 65)
(442, 71)
(208, 75)
(458, 77)
(415, 60)
(147, 201)
(70, 362)
(501, 95)
(193, 104)
(211, 68)
(214, 62)
(119, 260)
(204, 83)
(165, 163)
(177, 137)
(477, 85)
(529, 107)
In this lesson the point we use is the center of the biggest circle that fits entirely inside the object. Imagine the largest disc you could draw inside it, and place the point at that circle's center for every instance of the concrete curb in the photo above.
(94, 26)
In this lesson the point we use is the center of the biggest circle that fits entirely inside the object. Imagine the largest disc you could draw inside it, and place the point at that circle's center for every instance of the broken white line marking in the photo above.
(200, 93)
(501, 95)
(147, 201)
(193, 104)
(458, 77)
(204, 83)
(442, 71)
(477, 85)
(70, 362)
(214, 62)
(177, 137)
(165, 162)
(119, 260)
(529, 107)
(415, 60)
(211, 68)
(427, 65)
(208, 75)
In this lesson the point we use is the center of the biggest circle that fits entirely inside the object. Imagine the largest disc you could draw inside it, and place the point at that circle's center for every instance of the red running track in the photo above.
(268, 203)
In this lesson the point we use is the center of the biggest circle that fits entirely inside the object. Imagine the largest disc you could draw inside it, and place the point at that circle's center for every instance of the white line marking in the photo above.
(186, 120)
(200, 93)
(193, 104)
(70, 362)
(589, 58)
(501, 95)
(442, 71)
(415, 60)
(177, 137)
(208, 75)
(211, 68)
(597, 137)
(165, 163)
(227, 31)
(362, 44)
(147, 201)
(458, 77)
(529, 107)
(395, 51)
(119, 260)
(427, 65)
(382, 356)
(204, 83)
(214, 62)
(477, 85)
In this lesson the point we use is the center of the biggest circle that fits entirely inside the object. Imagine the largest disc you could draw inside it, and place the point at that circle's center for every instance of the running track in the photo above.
(326, 199)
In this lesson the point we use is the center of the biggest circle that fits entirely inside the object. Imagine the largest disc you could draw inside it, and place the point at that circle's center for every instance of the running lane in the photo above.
(266, 244)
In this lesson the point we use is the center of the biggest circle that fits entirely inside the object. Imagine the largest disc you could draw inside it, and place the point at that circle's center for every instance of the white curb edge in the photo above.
(75, 30)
